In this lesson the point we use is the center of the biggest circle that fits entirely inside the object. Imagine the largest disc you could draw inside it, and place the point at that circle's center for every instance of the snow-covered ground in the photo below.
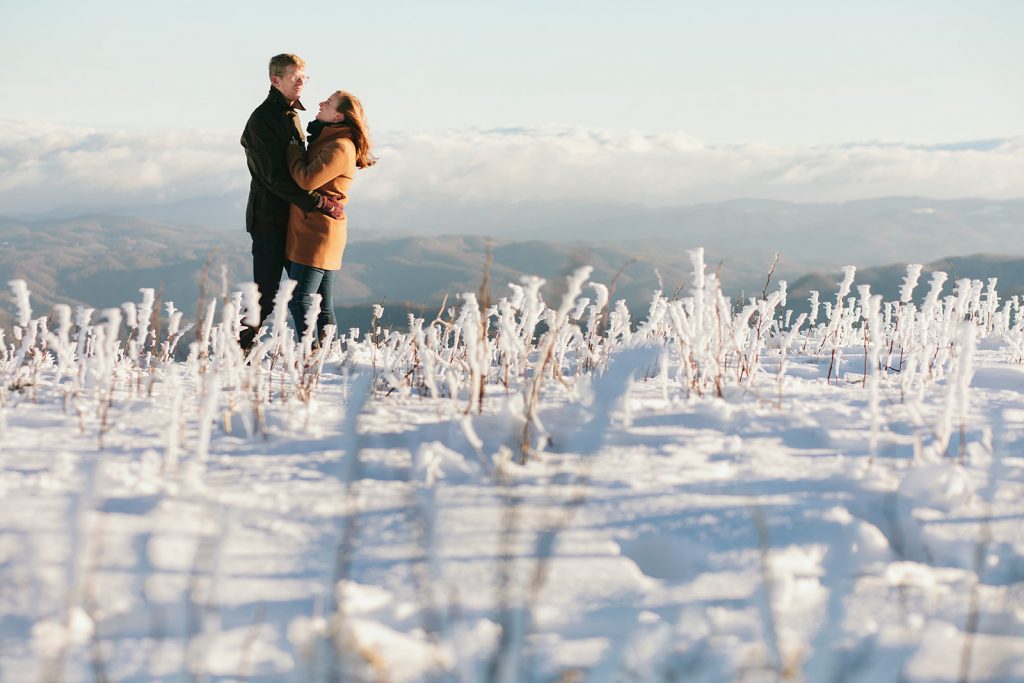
(168, 521)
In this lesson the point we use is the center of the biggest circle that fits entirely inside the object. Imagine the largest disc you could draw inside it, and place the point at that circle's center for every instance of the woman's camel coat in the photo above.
(315, 239)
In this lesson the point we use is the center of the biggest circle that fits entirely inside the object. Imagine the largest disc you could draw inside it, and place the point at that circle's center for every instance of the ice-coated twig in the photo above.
(19, 290)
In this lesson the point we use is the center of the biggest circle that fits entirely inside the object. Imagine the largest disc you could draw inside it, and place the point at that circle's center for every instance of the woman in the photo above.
(339, 143)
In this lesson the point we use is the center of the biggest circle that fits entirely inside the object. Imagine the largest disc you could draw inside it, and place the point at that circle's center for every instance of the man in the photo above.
(265, 139)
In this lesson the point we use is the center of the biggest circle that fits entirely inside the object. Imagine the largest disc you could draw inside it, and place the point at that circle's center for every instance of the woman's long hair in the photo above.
(352, 108)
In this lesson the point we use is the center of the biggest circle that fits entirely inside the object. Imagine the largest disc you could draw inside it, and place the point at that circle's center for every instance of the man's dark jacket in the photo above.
(265, 138)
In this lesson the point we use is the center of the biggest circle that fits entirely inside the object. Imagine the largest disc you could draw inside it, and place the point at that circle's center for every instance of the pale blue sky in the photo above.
(785, 72)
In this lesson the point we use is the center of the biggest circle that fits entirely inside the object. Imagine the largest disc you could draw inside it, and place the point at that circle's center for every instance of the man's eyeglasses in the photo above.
(295, 78)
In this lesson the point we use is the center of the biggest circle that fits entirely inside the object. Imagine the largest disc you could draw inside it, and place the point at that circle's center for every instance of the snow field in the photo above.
(719, 492)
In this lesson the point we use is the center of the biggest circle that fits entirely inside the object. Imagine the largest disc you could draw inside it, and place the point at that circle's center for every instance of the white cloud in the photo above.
(589, 165)
(45, 166)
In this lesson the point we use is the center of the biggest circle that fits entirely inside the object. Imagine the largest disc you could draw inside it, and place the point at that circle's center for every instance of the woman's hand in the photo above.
(330, 206)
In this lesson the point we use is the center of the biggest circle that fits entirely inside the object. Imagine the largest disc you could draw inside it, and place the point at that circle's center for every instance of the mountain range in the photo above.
(102, 259)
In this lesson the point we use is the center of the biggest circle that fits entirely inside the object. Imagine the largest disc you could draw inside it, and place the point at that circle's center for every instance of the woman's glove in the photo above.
(330, 206)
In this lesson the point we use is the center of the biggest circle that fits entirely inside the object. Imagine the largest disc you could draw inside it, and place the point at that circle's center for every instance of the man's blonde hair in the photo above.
(278, 63)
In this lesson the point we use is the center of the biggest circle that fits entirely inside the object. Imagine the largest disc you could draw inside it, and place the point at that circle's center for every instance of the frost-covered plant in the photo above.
(706, 343)
(836, 326)
(545, 348)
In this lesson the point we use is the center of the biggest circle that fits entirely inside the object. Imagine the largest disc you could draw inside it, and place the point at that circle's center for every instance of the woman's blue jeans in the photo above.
(309, 281)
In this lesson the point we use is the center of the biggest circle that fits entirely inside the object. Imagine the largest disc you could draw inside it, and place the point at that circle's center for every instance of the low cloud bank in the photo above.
(45, 166)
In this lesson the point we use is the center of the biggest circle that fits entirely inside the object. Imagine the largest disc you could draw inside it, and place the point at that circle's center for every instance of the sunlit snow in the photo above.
(709, 490)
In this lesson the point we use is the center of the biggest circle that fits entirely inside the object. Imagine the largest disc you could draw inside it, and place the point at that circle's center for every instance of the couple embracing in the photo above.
(296, 209)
